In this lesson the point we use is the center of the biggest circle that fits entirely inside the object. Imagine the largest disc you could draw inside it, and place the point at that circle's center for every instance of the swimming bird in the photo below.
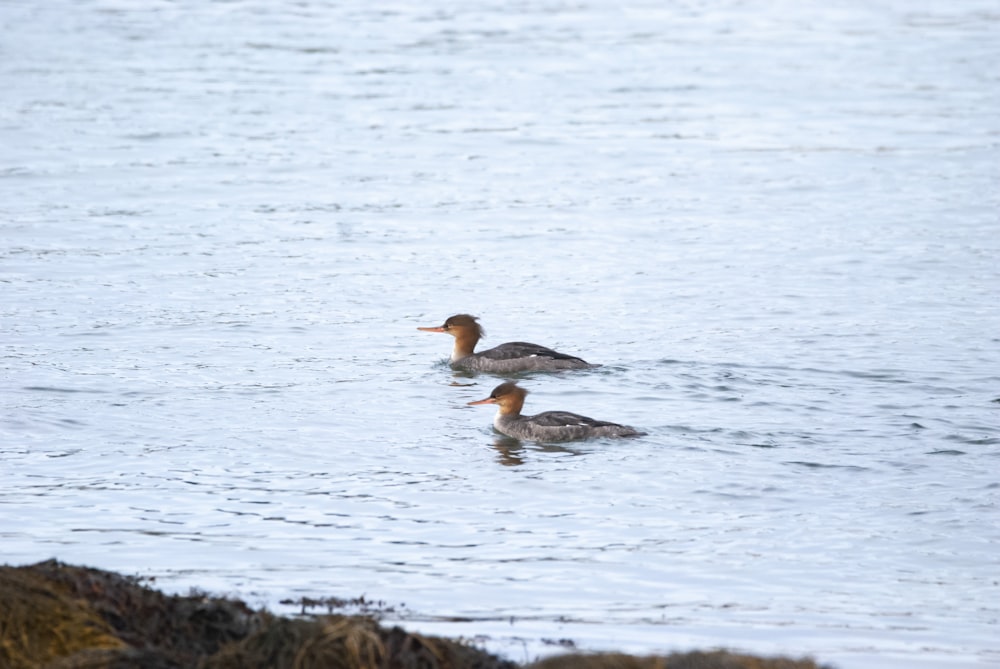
(517, 356)
(548, 425)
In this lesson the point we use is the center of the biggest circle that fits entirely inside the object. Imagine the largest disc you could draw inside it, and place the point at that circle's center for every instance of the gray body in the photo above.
(559, 426)
(519, 356)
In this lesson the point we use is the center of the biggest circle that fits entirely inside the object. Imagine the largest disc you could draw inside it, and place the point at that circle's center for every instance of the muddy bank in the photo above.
(59, 616)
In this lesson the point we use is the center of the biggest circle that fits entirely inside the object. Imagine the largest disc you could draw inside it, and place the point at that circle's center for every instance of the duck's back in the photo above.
(561, 426)
(519, 356)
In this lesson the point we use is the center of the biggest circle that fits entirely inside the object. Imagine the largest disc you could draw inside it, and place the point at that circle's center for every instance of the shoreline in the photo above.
(60, 616)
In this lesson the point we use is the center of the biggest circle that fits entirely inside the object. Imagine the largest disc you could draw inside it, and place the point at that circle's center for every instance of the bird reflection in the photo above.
(511, 451)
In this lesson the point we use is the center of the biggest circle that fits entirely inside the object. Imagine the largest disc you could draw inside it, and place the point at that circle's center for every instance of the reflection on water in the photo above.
(509, 451)
(774, 227)
(512, 452)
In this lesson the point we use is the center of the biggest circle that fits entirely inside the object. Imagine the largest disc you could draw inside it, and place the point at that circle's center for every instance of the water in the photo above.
(775, 226)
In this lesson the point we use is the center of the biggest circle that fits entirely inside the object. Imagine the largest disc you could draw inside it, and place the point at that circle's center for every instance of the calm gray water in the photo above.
(775, 224)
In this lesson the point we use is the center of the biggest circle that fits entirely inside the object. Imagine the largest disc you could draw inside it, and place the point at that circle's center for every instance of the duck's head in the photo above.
(465, 329)
(508, 396)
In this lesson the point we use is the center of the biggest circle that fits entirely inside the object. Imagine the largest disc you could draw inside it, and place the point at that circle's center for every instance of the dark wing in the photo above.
(567, 419)
(521, 349)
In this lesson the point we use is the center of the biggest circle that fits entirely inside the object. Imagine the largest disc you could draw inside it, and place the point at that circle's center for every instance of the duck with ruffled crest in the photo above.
(548, 425)
(517, 356)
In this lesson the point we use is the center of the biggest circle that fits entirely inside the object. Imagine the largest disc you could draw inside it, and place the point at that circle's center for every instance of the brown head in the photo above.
(465, 329)
(508, 396)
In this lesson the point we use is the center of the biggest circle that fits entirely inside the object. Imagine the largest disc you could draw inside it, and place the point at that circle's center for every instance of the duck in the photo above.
(517, 356)
(549, 425)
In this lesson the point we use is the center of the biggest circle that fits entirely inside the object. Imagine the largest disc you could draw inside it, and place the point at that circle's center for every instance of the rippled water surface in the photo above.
(775, 224)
